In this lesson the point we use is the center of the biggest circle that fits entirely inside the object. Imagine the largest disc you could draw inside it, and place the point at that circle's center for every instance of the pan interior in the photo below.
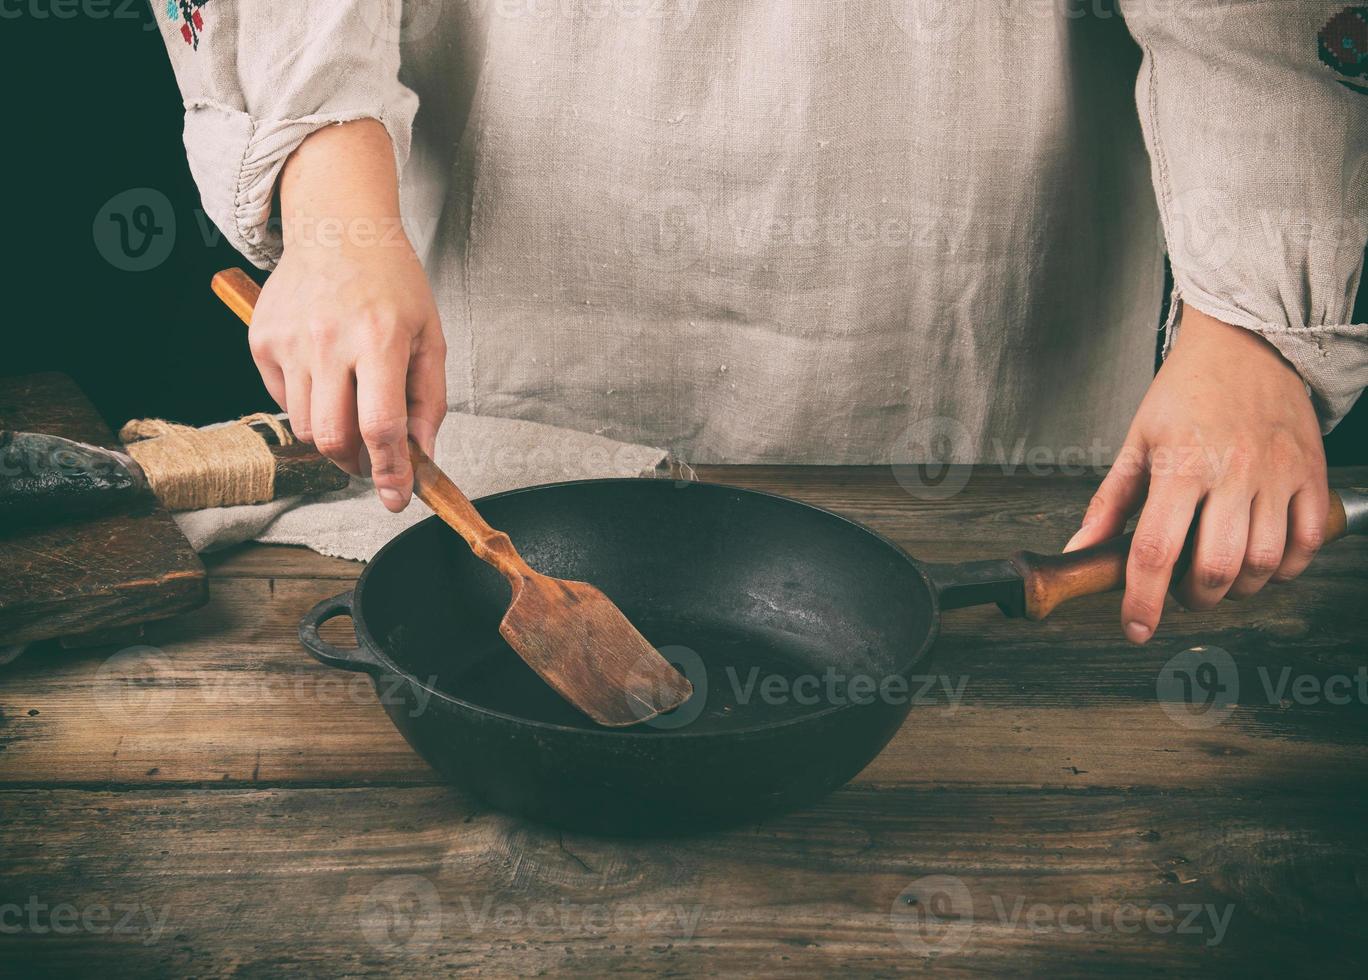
(774, 610)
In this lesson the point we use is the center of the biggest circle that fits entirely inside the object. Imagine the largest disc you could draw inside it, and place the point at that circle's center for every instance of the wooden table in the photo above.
(217, 802)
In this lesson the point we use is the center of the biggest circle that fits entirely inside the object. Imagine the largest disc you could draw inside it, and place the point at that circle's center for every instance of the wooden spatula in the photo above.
(570, 633)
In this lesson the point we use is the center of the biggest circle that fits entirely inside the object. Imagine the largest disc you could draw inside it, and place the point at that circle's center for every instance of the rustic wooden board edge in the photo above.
(178, 593)
(103, 605)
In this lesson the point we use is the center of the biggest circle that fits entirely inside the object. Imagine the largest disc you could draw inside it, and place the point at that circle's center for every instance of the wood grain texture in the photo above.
(103, 573)
(416, 881)
(238, 291)
(265, 806)
(222, 696)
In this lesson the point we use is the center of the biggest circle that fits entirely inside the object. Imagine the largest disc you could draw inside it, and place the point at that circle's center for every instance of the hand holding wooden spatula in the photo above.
(570, 633)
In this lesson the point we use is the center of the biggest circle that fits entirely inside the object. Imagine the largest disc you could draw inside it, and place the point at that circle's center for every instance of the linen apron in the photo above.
(822, 231)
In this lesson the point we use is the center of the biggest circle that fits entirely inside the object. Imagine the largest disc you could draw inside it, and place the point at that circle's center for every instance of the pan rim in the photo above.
(635, 732)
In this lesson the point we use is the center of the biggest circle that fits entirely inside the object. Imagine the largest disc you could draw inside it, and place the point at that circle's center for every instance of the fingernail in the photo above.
(392, 497)
(1082, 529)
(1138, 632)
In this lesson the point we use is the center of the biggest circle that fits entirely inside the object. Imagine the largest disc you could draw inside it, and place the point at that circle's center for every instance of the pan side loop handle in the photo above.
(1053, 579)
(323, 651)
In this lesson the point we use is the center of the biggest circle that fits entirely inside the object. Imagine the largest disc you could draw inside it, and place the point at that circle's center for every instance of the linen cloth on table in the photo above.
(483, 456)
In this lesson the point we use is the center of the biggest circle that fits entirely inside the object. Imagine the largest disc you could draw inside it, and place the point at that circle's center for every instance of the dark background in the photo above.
(94, 112)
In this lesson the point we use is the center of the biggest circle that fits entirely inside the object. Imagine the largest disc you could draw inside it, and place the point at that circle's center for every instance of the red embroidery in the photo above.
(192, 21)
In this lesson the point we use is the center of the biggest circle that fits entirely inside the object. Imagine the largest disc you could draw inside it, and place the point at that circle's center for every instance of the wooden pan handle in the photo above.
(432, 486)
(1053, 579)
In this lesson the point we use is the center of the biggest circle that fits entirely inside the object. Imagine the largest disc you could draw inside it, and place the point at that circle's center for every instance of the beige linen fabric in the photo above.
(1261, 171)
(483, 456)
(815, 231)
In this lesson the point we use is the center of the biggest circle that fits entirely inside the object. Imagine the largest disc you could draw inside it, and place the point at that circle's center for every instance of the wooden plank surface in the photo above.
(262, 808)
(103, 573)
(221, 696)
(415, 880)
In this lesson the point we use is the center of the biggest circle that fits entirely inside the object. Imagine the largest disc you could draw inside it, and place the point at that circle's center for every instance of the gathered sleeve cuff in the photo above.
(1256, 119)
(258, 77)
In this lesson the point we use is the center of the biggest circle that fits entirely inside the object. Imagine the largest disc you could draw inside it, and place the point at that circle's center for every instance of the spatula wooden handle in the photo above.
(441, 493)
(240, 293)
(1053, 579)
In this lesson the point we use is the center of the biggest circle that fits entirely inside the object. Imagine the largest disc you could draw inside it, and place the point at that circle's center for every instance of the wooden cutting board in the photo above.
(100, 574)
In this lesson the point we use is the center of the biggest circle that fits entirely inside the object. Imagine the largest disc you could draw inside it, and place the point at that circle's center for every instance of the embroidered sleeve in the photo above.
(260, 76)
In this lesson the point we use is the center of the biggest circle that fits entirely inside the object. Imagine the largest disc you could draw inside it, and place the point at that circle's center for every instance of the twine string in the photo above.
(191, 469)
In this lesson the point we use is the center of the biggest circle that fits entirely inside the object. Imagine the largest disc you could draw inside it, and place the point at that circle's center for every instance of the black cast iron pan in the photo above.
(793, 623)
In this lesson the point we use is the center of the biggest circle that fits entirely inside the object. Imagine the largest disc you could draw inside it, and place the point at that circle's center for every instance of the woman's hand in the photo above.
(1226, 431)
(346, 334)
